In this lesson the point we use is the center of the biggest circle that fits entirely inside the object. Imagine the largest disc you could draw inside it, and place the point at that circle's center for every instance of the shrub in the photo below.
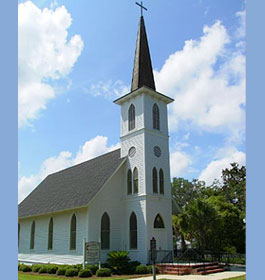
(43, 269)
(118, 261)
(132, 266)
(103, 272)
(84, 273)
(36, 267)
(141, 269)
(93, 268)
(51, 269)
(150, 269)
(70, 272)
(25, 268)
(77, 266)
(61, 271)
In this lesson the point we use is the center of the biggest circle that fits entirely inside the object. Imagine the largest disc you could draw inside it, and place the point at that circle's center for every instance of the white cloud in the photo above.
(44, 54)
(90, 149)
(207, 81)
(224, 158)
(107, 89)
(179, 163)
(93, 148)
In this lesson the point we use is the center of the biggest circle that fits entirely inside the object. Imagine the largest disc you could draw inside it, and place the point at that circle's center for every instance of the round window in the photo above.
(132, 152)
(157, 151)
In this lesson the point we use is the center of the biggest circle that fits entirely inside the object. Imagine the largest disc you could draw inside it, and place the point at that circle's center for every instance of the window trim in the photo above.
(50, 234)
(32, 235)
(154, 180)
(161, 182)
(73, 248)
(156, 117)
(105, 214)
(131, 117)
(158, 216)
(133, 230)
(129, 182)
(135, 180)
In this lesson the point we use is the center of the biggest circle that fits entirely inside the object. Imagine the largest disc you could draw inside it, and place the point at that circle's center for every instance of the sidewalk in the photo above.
(215, 276)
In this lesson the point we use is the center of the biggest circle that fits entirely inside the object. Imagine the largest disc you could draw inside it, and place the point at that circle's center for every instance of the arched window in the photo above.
(156, 122)
(158, 223)
(131, 117)
(161, 181)
(73, 233)
(155, 189)
(50, 234)
(18, 234)
(135, 180)
(129, 182)
(32, 235)
(105, 232)
(133, 231)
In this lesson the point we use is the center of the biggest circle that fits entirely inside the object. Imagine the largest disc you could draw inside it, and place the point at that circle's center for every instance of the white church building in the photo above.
(122, 198)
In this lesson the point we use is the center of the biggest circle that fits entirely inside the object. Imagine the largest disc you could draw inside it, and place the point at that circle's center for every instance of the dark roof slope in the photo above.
(72, 187)
(142, 70)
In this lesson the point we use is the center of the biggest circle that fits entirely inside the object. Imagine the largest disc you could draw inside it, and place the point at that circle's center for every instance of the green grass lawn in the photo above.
(29, 276)
(243, 277)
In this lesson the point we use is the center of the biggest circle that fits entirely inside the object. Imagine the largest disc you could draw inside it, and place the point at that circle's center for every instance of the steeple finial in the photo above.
(142, 70)
(142, 7)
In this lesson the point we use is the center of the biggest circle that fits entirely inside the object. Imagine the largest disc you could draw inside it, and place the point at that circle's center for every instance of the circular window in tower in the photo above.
(157, 151)
(132, 152)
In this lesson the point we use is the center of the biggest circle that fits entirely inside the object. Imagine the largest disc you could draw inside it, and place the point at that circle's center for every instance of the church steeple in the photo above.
(142, 70)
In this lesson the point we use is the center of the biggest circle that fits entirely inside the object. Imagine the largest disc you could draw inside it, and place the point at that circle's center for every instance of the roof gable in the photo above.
(72, 187)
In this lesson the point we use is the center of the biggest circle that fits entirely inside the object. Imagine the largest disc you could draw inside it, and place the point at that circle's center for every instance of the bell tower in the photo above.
(144, 141)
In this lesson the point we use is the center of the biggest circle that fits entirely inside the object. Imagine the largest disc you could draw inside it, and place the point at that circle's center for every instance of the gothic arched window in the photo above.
(50, 234)
(129, 182)
(133, 231)
(161, 181)
(155, 188)
(32, 235)
(73, 233)
(131, 117)
(135, 180)
(105, 232)
(156, 122)
(158, 223)
(18, 234)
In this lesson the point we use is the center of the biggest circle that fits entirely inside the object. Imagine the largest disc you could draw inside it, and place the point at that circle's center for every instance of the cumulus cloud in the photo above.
(90, 149)
(179, 163)
(207, 80)
(224, 157)
(44, 54)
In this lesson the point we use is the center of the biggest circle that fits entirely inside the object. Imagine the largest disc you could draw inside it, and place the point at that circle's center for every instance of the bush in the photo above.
(70, 272)
(36, 267)
(25, 268)
(93, 268)
(77, 266)
(141, 269)
(61, 271)
(51, 269)
(118, 261)
(103, 272)
(84, 273)
(132, 267)
(150, 269)
(43, 269)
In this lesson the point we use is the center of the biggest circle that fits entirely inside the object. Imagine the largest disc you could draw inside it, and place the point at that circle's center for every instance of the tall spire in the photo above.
(142, 70)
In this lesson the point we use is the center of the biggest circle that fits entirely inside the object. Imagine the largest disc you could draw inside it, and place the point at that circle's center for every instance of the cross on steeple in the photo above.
(142, 7)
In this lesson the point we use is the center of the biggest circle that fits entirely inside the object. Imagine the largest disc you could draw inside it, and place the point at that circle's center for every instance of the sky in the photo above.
(75, 58)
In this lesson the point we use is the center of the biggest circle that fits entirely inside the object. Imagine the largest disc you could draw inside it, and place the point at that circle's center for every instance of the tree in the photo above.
(234, 186)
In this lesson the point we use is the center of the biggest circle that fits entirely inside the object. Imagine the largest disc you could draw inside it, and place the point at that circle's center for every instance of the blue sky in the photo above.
(76, 58)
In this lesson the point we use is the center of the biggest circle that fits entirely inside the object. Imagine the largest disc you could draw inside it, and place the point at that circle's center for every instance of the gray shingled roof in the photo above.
(70, 188)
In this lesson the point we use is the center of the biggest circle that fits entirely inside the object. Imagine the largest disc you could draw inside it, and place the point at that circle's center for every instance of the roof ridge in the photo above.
(78, 164)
